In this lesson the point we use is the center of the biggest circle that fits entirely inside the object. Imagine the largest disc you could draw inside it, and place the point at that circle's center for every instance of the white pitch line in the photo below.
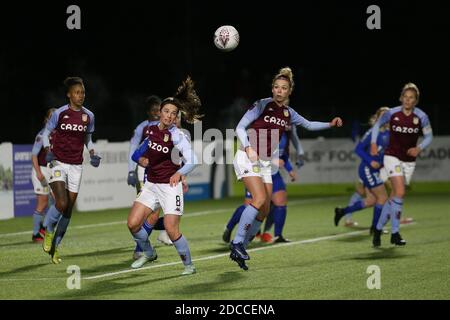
(194, 214)
(111, 274)
(32, 279)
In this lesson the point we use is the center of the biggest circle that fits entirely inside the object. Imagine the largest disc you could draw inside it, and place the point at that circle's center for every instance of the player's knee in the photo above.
(259, 200)
(133, 225)
(399, 193)
(62, 205)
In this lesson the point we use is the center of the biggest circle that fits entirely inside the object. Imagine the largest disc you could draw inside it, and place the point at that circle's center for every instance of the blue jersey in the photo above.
(370, 176)
(363, 147)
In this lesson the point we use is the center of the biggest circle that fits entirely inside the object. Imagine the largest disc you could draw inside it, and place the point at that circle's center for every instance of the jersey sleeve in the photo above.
(37, 146)
(91, 126)
(139, 152)
(49, 127)
(362, 146)
(427, 132)
(297, 119)
(380, 122)
(287, 162)
(296, 141)
(190, 160)
(134, 144)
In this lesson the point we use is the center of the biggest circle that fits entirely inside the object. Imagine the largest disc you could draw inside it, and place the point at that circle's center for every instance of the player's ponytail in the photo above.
(188, 100)
(286, 74)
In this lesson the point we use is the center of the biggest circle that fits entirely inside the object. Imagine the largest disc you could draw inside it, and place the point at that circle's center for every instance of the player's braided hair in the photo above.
(286, 74)
(186, 100)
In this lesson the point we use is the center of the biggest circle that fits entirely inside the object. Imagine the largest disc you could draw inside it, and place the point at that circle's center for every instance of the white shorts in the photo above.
(141, 176)
(162, 195)
(243, 167)
(383, 174)
(41, 187)
(70, 174)
(395, 168)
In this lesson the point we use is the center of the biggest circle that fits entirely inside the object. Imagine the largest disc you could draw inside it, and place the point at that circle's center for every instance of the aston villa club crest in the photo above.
(84, 117)
(416, 120)
(286, 113)
(166, 137)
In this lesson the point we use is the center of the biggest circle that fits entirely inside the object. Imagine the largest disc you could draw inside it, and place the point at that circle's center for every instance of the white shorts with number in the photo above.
(396, 168)
(41, 187)
(70, 174)
(162, 195)
(243, 167)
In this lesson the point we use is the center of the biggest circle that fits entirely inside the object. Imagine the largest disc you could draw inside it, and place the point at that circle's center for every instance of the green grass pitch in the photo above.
(321, 262)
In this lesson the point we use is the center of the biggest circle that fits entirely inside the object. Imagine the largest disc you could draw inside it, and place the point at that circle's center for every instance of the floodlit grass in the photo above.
(330, 268)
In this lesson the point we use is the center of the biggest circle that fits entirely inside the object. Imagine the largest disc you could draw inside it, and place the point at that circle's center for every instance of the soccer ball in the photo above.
(226, 38)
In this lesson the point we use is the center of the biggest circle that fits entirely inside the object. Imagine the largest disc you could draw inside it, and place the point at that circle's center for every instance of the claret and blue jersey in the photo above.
(404, 131)
(157, 148)
(72, 130)
(268, 119)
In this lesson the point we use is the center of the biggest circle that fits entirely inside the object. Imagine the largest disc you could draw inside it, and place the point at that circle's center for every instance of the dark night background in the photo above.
(128, 50)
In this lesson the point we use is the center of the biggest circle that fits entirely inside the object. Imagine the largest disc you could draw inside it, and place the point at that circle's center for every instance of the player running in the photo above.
(268, 119)
(406, 122)
(40, 175)
(278, 210)
(73, 126)
(136, 174)
(159, 153)
(369, 174)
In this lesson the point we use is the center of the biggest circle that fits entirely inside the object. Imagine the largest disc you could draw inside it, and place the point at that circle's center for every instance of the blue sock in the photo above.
(148, 227)
(385, 215)
(183, 250)
(245, 223)
(256, 224)
(269, 220)
(359, 205)
(141, 238)
(234, 220)
(51, 201)
(396, 213)
(280, 218)
(376, 214)
(61, 229)
(51, 218)
(354, 198)
(37, 218)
